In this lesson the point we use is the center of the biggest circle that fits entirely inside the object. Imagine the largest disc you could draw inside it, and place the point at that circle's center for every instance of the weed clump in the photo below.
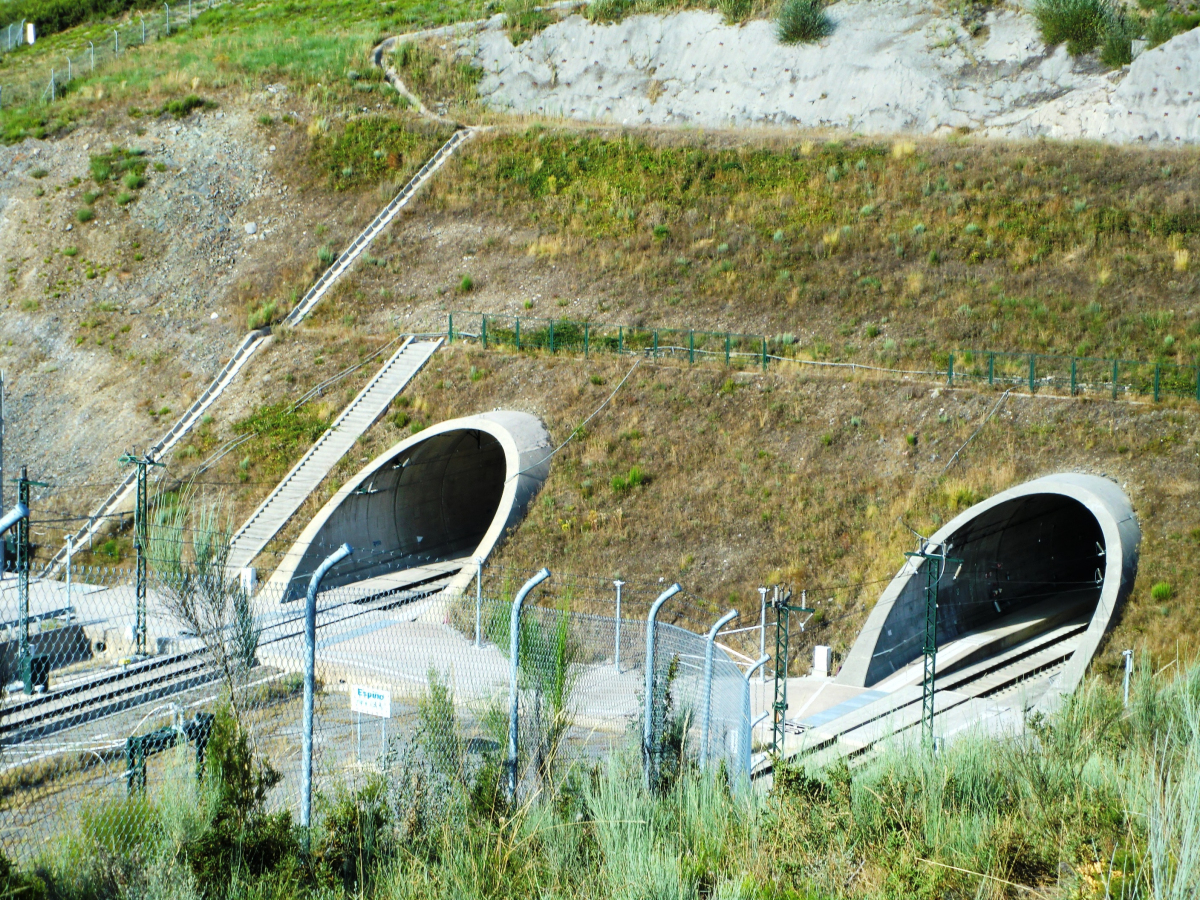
(802, 21)
(85, 214)
(179, 108)
(1080, 24)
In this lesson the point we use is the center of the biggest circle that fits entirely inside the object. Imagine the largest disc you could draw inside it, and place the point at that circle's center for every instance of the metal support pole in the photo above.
(1032, 372)
(24, 650)
(514, 651)
(483, 330)
(620, 339)
(727, 349)
(478, 602)
(748, 723)
(168, 6)
(1073, 376)
(143, 28)
(551, 335)
(517, 320)
(617, 628)
(935, 562)
(649, 749)
(764, 353)
(1128, 654)
(762, 629)
(449, 328)
(656, 343)
(950, 371)
(691, 346)
(70, 548)
(52, 85)
(141, 544)
(92, 54)
(585, 340)
(1157, 376)
(116, 43)
(1115, 375)
(310, 665)
(68, 68)
(991, 368)
(706, 709)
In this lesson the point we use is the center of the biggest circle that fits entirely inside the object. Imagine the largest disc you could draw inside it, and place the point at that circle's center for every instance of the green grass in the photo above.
(1094, 801)
(1080, 24)
(802, 21)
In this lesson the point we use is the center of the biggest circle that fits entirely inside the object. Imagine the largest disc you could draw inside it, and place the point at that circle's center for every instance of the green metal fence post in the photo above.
(621, 339)
(585, 340)
(551, 335)
(950, 371)
(450, 328)
(764, 352)
(1198, 382)
(483, 330)
(727, 355)
(991, 368)
(1116, 370)
(691, 346)
(1072, 376)
(656, 343)
(1157, 373)
(518, 329)
(1032, 372)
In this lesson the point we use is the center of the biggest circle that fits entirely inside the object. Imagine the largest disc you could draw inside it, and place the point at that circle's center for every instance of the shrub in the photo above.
(38, 173)
(124, 197)
(133, 181)
(1078, 23)
(325, 255)
(1161, 27)
(85, 214)
(635, 478)
(735, 11)
(262, 315)
(181, 108)
(1161, 592)
(608, 10)
(466, 285)
(802, 21)
(597, 380)
(1116, 49)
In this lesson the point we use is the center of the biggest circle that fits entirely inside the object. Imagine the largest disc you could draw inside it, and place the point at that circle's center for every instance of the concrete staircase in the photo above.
(287, 497)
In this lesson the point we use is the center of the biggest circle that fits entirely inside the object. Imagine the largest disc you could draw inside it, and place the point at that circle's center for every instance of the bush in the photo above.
(181, 108)
(262, 315)
(38, 173)
(466, 285)
(133, 181)
(1161, 27)
(1117, 47)
(608, 10)
(85, 214)
(802, 21)
(735, 11)
(124, 198)
(326, 255)
(1161, 592)
(1081, 24)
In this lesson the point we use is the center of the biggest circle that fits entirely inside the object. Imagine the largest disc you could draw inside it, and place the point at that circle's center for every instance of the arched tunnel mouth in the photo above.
(430, 502)
(1025, 566)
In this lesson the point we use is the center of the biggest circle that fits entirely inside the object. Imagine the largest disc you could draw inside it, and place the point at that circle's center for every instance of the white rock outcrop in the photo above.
(889, 66)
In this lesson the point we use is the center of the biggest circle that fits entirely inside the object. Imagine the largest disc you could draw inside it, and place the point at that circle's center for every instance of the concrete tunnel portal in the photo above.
(449, 493)
(1059, 553)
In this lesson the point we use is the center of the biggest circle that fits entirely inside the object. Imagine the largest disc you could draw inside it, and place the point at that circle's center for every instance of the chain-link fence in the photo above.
(1118, 378)
(112, 685)
(61, 72)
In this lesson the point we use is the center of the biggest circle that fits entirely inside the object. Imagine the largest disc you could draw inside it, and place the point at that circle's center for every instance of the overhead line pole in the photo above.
(24, 650)
(141, 542)
(935, 566)
(783, 611)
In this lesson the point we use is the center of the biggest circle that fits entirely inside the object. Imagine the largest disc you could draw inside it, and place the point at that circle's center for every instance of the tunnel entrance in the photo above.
(425, 510)
(430, 502)
(1028, 565)
(1040, 572)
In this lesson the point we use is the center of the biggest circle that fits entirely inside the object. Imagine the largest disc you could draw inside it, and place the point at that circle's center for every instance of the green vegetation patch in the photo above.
(281, 433)
(117, 163)
(372, 148)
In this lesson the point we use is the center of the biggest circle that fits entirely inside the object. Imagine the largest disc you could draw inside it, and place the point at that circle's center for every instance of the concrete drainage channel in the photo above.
(121, 498)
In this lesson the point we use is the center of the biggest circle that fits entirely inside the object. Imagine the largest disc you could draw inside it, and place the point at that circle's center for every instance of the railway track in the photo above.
(89, 698)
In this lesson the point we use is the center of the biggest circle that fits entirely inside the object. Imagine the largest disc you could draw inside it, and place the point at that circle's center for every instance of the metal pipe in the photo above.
(478, 601)
(747, 739)
(514, 650)
(708, 669)
(310, 662)
(13, 516)
(617, 642)
(648, 724)
(762, 631)
(70, 547)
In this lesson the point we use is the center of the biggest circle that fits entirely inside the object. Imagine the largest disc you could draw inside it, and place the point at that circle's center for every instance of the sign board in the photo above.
(371, 701)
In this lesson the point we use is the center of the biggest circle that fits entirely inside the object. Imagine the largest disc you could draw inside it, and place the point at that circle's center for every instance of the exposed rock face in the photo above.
(893, 66)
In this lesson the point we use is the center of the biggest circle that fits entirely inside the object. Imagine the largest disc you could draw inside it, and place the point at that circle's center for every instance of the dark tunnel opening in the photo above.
(1036, 561)
(432, 502)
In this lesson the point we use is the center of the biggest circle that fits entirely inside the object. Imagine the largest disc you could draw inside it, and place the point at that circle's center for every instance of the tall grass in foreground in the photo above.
(1093, 801)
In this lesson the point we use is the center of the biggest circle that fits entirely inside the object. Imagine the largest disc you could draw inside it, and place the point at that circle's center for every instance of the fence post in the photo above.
(620, 339)
(762, 629)
(764, 353)
(1157, 373)
(168, 6)
(706, 709)
(991, 368)
(950, 371)
(747, 740)
(551, 335)
(1072, 376)
(585, 340)
(1198, 382)
(518, 329)
(51, 85)
(143, 29)
(478, 601)
(656, 343)
(727, 349)
(1116, 371)
(617, 648)
(514, 650)
(116, 43)
(483, 330)
(92, 54)
(310, 663)
(691, 346)
(450, 328)
(649, 749)
(1032, 371)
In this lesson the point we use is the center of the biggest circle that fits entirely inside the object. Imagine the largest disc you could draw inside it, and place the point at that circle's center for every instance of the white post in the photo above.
(706, 708)
(92, 53)
(1128, 654)
(617, 648)
(116, 42)
(143, 28)
(168, 6)
(762, 632)
(478, 601)
(68, 68)
(70, 548)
